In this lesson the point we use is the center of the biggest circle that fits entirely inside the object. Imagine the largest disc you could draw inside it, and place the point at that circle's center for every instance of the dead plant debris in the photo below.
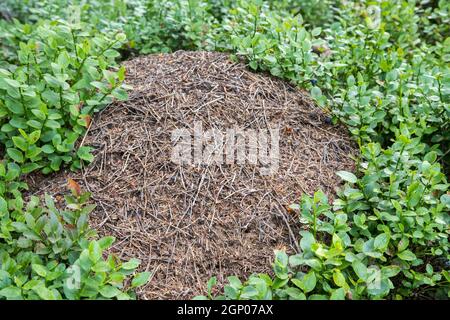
(187, 223)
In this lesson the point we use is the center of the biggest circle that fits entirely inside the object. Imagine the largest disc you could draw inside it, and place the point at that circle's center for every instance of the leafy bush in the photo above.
(270, 41)
(173, 25)
(48, 253)
(47, 97)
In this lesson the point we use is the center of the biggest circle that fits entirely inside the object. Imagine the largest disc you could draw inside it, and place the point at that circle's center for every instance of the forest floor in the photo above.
(185, 222)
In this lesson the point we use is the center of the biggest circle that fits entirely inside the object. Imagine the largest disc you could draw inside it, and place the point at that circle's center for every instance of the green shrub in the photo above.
(434, 23)
(63, 74)
(49, 253)
(271, 41)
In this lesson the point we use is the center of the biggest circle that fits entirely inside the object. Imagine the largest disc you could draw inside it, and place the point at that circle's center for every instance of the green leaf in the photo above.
(15, 107)
(316, 92)
(280, 264)
(317, 297)
(249, 292)
(211, 283)
(17, 122)
(15, 154)
(52, 124)
(407, 255)
(119, 94)
(3, 207)
(131, 265)
(445, 199)
(351, 80)
(381, 241)
(39, 114)
(13, 83)
(338, 294)
(48, 149)
(95, 251)
(11, 293)
(403, 244)
(13, 171)
(390, 271)
(34, 124)
(34, 136)
(431, 157)
(117, 277)
(234, 282)
(121, 73)
(121, 37)
(281, 258)
(347, 176)
(44, 292)
(20, 143)
(339, 278)
(360, 269)
(309, 282)
(296, 260)
(316, 31)
(295, 294)
(84, 154)
(106, 242)
(101, 266)
(39, 269)
(63, 59)
(306, 241)
(111, 53)
(29, 167)
(109, 291)
(140, 279)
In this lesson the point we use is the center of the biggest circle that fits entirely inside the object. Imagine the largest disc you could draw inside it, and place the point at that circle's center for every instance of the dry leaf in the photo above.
(74, 187)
